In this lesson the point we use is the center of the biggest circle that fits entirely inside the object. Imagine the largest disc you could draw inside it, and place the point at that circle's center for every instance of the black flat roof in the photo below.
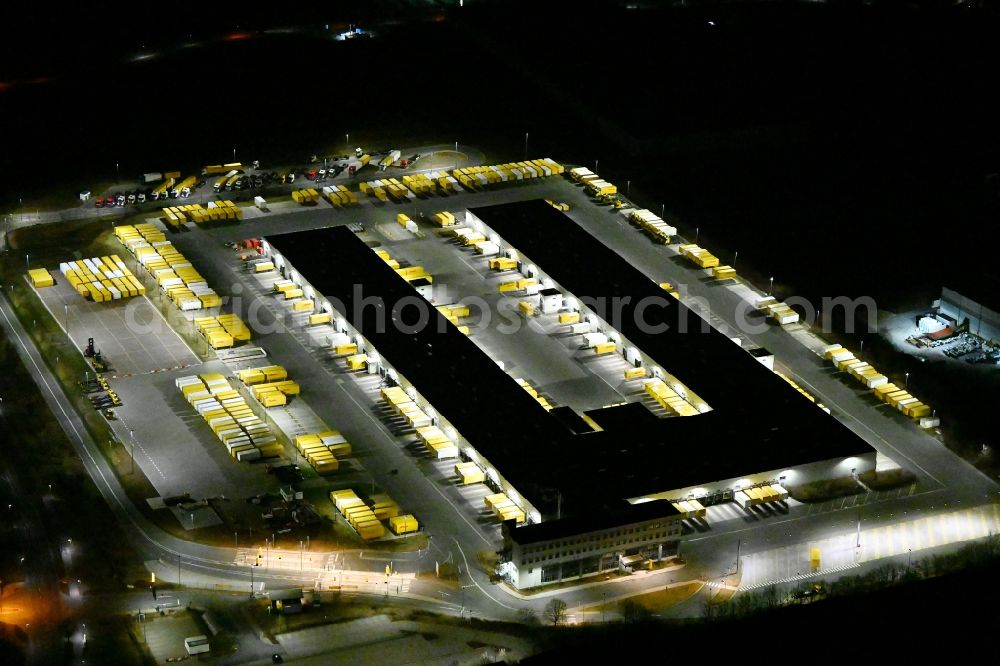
(624, 514)
(758, 421)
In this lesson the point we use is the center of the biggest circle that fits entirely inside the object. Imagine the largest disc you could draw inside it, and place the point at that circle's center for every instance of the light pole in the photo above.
(906, 381)
(861, 351)
(697, 231)
(118, 176)
(595, 166)
(234, 153)
(525, 145)
(663, 210)
(236, 537)
(770, 285)
(347, 139)
(735, 254)
(628, 186)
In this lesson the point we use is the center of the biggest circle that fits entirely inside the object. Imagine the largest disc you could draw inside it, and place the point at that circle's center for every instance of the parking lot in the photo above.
(131, 334)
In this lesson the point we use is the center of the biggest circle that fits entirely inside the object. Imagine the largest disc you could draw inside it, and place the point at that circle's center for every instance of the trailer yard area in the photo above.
(131, 334)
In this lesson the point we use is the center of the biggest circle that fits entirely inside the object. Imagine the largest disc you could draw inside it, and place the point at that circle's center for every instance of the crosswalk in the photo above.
(805, 576)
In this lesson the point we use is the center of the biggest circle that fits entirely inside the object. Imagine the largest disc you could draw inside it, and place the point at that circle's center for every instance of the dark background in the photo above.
(845, 148)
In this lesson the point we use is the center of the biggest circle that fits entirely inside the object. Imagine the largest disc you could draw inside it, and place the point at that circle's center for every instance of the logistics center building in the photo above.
(584, 492)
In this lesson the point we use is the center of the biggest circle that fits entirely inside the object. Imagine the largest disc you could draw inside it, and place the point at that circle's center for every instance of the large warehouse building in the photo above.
(588, 489)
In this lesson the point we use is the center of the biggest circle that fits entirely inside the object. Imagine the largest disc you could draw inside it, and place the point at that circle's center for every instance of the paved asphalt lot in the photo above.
(345, 403)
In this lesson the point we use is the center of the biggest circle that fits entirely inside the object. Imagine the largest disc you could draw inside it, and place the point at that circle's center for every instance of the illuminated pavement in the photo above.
(841, 553)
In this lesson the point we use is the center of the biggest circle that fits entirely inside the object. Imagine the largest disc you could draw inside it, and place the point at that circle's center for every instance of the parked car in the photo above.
(99, 202)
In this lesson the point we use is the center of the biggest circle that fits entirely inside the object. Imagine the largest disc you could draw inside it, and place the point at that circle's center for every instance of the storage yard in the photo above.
(571, 424)
(447, 391)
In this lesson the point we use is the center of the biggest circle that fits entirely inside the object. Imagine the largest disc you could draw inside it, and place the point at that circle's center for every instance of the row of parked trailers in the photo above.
(884, 390)
(222, 331)
(668, 398)
(651, 224)
(504, 507)
(776, 310)
(386, 189)
(245, 436)
(339, 196)
(366, 517)
(269, 384)
(100, 279)
(215, 211)
(806, 394)
(691, 508)
(174, 274)
(291, 292)
(749, 497)
(533, 392)
(431, 182)
(476, 177)
(324, 450)
(699, 256)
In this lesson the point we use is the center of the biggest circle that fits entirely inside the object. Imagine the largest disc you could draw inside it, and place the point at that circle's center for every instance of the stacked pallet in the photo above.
(101, 279)
(668, 398)
(245, 436)
(540, 399)
(323, 450)
(358, 514)
(223, 330)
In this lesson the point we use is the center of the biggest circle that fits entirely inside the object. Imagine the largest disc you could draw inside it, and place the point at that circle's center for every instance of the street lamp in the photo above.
(697, 230)
(234, 153)
(906, 383)
(347, 139)
(735, 254)
(770, 285)
(628, 186)
(525, 145)
(595, 166)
